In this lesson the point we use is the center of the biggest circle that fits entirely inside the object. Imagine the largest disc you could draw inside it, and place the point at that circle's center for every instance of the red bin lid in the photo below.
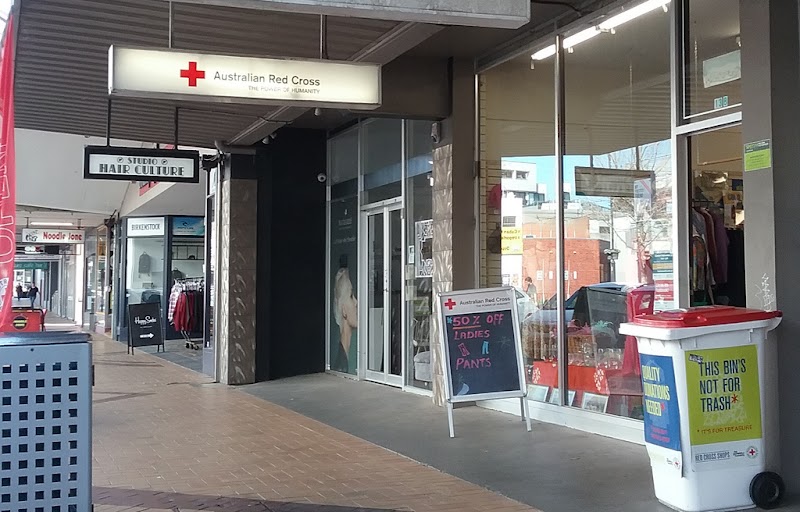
(704, 316)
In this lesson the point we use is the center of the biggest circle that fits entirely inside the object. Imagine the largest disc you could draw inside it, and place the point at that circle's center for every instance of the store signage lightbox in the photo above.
(139, 164)
(167, 74)
(503, 14)
(52, 236)
(189, 226)
(145, 226)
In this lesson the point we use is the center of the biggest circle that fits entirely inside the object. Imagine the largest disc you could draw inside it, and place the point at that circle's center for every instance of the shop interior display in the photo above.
(717, 222)
(185, 313)
(602, 363)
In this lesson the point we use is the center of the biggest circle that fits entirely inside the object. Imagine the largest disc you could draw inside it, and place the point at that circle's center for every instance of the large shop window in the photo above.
(519, 202)
(618, 246)
(711, 56)
(145, 270)
(343, 256)
(381, 153)
(419, 237)
(618, 253)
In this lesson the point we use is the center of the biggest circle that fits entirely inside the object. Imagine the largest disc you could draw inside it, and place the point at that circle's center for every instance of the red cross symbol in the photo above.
(752, 452)
(193, 74)
(450, 304)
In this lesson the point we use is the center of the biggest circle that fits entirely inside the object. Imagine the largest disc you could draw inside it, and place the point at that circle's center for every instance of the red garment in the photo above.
(181, 315)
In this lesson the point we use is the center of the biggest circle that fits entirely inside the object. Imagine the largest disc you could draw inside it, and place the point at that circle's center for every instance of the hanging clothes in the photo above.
(187, 306)
(723, 248)
(177, 288)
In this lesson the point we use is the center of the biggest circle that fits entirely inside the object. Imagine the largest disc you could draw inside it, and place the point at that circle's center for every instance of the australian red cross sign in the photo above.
(169, 74)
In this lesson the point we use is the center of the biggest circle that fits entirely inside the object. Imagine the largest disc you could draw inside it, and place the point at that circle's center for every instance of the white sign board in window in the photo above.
(139, 164)
(178, 75)
(145, 226)
(600, 182)
(52, 236)
(472, 13)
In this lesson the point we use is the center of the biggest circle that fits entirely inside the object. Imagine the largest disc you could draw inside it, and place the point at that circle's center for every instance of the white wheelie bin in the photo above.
(703, 387)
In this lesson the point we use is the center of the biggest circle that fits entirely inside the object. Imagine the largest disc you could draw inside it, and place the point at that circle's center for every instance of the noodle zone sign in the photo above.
(52, 236)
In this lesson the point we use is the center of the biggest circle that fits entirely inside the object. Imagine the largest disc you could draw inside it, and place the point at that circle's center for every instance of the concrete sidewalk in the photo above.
(166, 438)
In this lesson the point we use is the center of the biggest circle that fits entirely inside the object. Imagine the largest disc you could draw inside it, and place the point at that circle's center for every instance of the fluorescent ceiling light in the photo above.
(632, 13)
(583, 35)
(51, 224)
(569, 42)
(544, 53)
(607, 26)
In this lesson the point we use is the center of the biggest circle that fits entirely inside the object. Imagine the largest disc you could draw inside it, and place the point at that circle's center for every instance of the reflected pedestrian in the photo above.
(32, 294)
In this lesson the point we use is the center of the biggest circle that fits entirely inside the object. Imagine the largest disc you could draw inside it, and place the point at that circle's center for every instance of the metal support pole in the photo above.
(560, 150)
(169, 37)
(108, 122)
(323, 37)
(176, 128)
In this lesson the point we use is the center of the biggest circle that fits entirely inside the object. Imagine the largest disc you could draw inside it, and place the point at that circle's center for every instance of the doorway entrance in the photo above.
(717, 217)
(383, 261)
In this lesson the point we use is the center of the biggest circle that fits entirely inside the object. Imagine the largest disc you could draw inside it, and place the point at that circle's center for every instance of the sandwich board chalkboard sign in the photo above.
(482, 349)
(144, 325)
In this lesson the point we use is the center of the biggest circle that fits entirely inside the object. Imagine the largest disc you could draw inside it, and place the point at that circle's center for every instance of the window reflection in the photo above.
(617, 204)
(618, 170)
(712, 56)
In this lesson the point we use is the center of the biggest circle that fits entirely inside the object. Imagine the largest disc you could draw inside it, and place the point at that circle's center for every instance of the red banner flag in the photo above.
(8, 206)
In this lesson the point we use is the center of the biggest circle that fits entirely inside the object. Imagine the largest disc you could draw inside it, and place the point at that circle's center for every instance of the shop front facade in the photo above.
(618, 157)
(612, 184)
(380, 257)
(155, 254)
(98, 274)
(603, 170)
(595, 203)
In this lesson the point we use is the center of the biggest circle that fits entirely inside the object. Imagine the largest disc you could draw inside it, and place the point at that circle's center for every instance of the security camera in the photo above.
(436, 132)
(322, 177)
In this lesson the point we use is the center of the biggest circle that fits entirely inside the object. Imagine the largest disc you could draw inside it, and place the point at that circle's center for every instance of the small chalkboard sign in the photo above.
(483, 353)
(144, 325)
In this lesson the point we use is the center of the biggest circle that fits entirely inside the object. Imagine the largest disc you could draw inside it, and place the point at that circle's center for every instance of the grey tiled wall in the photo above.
(236, 314)
(442, 255)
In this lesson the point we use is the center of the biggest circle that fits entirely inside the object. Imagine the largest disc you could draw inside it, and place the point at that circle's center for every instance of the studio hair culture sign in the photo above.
(139, 164)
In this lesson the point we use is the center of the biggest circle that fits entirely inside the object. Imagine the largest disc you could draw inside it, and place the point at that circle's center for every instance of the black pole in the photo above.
(108, 122)
(176, 128)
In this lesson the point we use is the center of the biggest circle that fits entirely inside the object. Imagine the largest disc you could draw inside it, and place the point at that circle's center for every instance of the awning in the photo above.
(62, 63)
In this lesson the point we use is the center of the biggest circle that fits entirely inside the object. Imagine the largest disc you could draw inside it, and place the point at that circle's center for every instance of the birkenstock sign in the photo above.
(139, 164)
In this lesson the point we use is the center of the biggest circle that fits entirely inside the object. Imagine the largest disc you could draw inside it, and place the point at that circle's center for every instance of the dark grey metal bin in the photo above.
(45, 422)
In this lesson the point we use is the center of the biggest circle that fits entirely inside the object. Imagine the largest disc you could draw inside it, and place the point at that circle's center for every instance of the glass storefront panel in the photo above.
(381, 156)
(419, 253)
(90, 292)
(343, 252)
(144, 280)
(618, 250)
(711, 56)
(519, 203)
(618, 218)
(717, 218)
(188, 256)
(100, 287)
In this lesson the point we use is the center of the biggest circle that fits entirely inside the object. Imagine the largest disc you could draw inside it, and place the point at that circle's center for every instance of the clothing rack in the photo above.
(188, 284)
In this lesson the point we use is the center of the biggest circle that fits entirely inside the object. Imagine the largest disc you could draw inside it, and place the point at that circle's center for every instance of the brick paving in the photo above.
(167, 439)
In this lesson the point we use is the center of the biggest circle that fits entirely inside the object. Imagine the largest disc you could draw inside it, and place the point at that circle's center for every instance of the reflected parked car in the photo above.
(548, 314)
(526, 306)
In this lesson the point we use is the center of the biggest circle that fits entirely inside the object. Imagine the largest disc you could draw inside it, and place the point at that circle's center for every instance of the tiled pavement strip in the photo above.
(165, 438)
